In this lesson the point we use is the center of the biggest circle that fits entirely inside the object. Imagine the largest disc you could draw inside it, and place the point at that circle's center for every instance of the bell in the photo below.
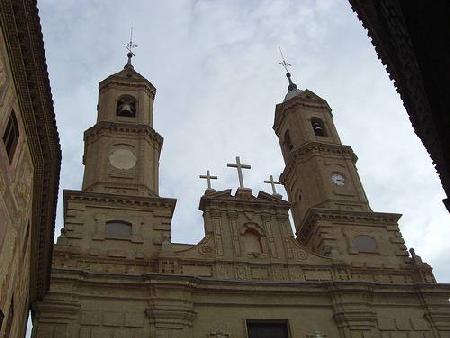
(126, 109)
(317, 128)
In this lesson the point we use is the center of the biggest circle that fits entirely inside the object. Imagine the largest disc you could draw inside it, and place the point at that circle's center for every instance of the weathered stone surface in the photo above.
(29, 165)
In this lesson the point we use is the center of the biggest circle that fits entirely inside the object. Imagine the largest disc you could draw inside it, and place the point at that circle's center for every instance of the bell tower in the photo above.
(122, 150)
(330, 209)
(320, 171)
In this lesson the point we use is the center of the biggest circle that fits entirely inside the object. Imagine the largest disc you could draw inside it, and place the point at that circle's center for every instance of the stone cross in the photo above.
(208, 178)
(272, 183)
(239, 166)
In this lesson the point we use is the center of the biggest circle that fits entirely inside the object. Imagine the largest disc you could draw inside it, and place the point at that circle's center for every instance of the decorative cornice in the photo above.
(118, 199)
(125, 128)
(128, 77)
(224, 199)
(22, 31)
(351, 216)
(191, 282)
(306, 98)
(312, 148)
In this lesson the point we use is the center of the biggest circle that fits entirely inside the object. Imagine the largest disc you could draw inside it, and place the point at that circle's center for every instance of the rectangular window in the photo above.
(11, 136)
(267, 329)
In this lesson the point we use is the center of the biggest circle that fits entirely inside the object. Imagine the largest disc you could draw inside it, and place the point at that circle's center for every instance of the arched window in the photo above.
(11, 136)
(118, 229)
(365, 243)
(287, 143)
(318, 127)
(126, 106)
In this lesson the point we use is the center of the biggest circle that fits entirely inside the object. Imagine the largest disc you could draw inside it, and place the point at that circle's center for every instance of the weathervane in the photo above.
(283, 62)
(292, 86)
(130, 46)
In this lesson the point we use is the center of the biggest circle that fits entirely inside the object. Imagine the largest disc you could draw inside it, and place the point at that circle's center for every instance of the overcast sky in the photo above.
(215, 67)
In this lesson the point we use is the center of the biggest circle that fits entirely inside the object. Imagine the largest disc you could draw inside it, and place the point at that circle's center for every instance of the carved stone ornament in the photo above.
(316, 334)
(4, 81)
(24, 180)
(219, 334)
(207, 247)
(301, 254)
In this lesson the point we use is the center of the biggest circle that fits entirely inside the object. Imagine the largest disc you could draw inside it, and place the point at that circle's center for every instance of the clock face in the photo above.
(122, 159)
(338, 179)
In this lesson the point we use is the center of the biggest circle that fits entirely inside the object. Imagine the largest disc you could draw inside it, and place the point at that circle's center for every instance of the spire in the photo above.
(130, 54)
(129, 64)
(292, 87)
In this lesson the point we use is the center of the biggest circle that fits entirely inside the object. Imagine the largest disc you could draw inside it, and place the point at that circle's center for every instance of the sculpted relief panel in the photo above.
(4, 81)
(23, 184)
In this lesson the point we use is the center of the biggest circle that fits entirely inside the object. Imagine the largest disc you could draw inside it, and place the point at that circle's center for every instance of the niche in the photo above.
(118, 229)
(251, 236)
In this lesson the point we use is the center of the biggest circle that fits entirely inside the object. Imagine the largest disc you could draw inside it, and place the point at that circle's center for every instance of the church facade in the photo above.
(346, 272)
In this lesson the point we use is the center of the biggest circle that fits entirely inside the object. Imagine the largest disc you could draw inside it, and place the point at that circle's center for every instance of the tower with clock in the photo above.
(330, 209)
(121, 152)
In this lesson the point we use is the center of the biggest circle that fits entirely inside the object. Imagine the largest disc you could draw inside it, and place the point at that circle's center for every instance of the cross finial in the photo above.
(208, 178)
(272, 183)
(292, 86)
(239, 166)
(283, 62)
(130, 47)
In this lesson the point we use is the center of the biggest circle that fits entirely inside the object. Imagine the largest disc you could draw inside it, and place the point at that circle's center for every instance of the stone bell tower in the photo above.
(121, 153)
(320, 171)
(118, 212)
(330, 208)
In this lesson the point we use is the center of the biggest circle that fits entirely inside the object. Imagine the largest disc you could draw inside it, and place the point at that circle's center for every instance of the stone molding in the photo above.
(365, 217)
(185, 283)
(223, 200)
(119, 199)
(125, 128)
(313, 148)
(54, 310)
(130, 78)
(21, 27)
(306, 98)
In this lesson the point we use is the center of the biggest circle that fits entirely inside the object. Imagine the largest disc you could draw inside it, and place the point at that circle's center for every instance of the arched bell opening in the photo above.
(126, 106)
(318, 127)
